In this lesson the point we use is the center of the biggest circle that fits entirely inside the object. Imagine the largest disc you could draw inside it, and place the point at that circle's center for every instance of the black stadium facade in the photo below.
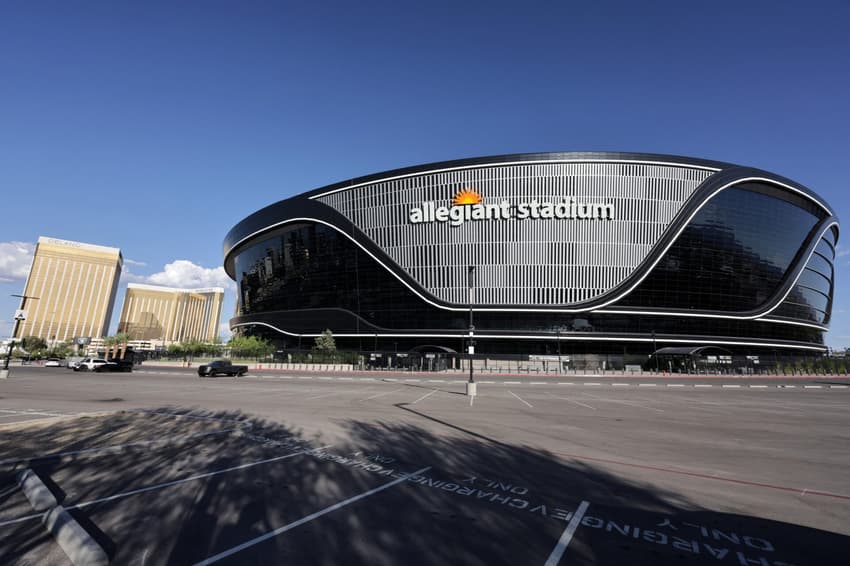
(595, 253)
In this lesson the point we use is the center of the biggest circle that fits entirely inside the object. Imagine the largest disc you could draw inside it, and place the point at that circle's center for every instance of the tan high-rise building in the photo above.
(151, 312)
(75, 284)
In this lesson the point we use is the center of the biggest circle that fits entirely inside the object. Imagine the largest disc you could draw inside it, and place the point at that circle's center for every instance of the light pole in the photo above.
(560, 365)
(471, 385)
(654, 349)
(18, 319)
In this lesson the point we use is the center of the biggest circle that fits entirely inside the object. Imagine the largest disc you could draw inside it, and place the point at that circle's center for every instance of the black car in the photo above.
(221, 367)
(115, 366)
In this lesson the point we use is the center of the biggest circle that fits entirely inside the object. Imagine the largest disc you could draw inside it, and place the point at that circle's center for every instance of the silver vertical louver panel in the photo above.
(530, 262)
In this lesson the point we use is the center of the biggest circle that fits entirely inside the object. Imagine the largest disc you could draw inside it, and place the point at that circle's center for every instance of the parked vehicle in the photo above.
(221, 367)
(53, 363)
(116, 365)
(90, 364)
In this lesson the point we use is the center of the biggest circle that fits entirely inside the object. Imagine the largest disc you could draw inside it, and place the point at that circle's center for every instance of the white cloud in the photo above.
(224, 331)
(15, 260)
(184, 274)
(128, 261)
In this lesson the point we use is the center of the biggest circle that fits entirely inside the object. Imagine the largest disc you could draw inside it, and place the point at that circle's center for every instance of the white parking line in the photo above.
(310, 517)
(537, 383)
(647, 385)
(425, 396)
(567, 535)
(702, 385)
(33, 412)
(115, 447)
(382, 394)
(572, 401)
(758, 386)
(624, 403)
(520, 398)
(838, 387)
(413, 380)
(436, 381)
(675, 385)
(594, 383)
(167, 484)
(621, 384)
(566, 383)
(730, 386)
(811, 387)
(323, 395)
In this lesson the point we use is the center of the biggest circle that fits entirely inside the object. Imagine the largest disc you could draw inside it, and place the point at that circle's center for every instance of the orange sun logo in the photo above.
(466, 196)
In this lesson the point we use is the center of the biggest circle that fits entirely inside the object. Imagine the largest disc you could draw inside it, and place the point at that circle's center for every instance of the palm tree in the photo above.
(108, 343)
(121, 339)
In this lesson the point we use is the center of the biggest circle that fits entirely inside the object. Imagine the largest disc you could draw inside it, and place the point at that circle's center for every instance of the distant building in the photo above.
(75, 284)
(168, 315)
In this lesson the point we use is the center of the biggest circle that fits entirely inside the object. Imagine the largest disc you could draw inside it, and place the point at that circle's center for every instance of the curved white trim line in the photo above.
(587, 309)
(465, 333)
(503, 163)
(370, 254)
(748, 317)
(794, 322)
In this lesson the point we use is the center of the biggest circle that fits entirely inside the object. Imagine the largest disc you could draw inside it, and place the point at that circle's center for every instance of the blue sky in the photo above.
(156, 126)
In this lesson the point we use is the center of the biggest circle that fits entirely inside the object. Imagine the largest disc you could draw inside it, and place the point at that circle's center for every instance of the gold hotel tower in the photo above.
(75, 284)
(167, 314)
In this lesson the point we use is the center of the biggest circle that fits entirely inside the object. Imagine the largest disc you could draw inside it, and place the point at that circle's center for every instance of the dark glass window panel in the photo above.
(800, 312)
(806, 296)
(306, 278)
(831, 236)
(733, 254)
(825, 249)
(818, 263)
(814, 280)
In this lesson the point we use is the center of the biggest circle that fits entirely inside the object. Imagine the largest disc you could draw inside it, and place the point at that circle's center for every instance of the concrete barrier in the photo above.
(35, 491)
(73, 539)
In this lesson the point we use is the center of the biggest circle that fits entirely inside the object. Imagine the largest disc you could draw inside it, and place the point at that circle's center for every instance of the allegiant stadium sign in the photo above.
(467, 205)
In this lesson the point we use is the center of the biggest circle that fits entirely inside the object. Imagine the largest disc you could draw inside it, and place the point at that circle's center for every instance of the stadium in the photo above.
(619, 255)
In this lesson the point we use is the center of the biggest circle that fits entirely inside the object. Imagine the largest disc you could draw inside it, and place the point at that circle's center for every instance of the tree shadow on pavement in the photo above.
(218, 480)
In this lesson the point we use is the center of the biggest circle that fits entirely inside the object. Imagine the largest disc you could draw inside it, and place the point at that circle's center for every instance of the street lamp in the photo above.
(560, 365)
(470, 385)
(654, 350)
(18, 318)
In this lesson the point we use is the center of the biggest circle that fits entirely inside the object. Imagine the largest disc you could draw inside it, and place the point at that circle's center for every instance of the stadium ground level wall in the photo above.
(546, 356)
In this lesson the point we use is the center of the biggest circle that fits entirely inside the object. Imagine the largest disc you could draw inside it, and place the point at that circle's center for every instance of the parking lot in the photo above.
(161, 467)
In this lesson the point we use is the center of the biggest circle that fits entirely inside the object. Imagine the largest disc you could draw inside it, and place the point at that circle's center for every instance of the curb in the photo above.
(72, 538)
(35, 491)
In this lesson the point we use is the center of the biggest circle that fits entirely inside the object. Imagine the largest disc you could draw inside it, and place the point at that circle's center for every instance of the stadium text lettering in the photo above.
(568, 209)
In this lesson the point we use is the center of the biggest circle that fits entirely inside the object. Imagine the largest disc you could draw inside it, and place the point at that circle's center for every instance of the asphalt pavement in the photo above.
(162, 467)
